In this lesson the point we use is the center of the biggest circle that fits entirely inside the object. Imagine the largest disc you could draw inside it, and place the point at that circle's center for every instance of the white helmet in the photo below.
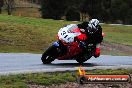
(93, 23)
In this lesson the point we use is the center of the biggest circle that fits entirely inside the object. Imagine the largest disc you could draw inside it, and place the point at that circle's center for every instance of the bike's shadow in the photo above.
(73, 64)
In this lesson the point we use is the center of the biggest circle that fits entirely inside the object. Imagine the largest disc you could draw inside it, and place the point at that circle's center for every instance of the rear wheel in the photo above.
(81, 58)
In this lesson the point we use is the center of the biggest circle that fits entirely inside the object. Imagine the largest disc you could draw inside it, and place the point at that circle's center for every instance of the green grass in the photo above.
(24, 34)
(109, 71)
(118, 34)
(22, 80)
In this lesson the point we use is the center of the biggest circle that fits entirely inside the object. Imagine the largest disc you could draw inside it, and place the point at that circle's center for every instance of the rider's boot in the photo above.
(97, 51)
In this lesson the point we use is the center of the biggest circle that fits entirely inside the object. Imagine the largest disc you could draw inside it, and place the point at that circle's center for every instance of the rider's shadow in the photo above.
(73, 64)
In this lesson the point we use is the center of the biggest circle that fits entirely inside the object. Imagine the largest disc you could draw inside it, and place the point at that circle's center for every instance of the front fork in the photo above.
(61, 49)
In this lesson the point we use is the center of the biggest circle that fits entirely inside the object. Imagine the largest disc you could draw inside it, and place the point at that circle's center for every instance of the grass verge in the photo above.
(23, 80)
(119, 34)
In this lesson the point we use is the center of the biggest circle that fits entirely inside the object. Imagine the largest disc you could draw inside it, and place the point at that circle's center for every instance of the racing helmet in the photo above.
(92, 26)
(94, 22)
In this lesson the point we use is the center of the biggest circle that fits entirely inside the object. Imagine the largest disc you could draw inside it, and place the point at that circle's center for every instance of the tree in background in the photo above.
(53, 9)
(10, 5)
(118, 11)
(105, 13)
(96, 9)
(72, 12)
(1, 5)
(121, 11)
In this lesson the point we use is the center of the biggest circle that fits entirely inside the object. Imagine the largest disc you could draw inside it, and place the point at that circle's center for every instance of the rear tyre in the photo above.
(81, 58)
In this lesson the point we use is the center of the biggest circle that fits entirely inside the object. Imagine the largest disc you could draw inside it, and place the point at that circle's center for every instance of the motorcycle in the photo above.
(68, 46)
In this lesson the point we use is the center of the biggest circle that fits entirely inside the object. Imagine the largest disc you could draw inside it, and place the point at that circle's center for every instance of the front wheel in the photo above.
(49, 55)
(47, 59)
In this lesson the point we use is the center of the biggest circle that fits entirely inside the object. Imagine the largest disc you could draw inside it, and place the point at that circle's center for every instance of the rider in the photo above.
(94, 32)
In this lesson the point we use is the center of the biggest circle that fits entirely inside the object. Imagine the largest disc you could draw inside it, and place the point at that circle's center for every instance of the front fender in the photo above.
(61, 48)
(56, 44)
(52, 51)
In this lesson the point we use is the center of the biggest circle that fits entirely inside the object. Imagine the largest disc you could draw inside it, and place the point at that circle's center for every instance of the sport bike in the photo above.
(69, 46)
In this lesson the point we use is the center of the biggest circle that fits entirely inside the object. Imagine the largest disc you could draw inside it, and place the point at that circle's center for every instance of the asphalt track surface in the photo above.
(14, 63)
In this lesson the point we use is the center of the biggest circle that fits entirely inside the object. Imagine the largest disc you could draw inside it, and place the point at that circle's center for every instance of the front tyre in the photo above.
(47, 59)
(49, 55)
